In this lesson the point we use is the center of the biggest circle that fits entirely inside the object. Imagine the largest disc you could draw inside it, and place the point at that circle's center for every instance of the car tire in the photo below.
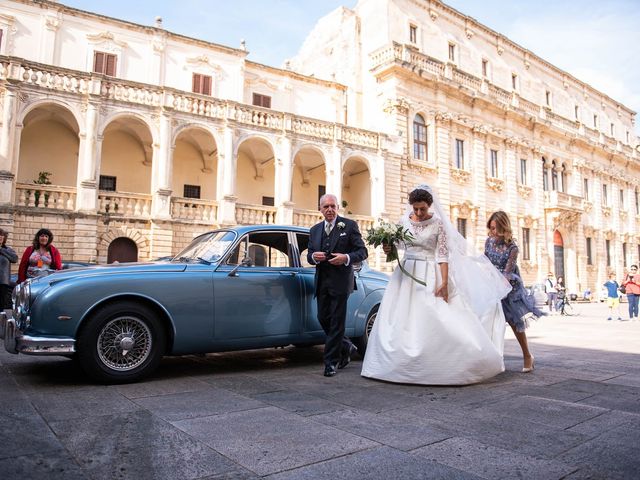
(121, 343)
(361, 342)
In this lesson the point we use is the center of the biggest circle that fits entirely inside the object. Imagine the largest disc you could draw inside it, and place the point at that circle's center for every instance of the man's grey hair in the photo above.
(325, 196)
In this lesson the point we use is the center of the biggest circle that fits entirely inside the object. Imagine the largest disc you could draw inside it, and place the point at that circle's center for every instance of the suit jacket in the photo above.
(341, 240)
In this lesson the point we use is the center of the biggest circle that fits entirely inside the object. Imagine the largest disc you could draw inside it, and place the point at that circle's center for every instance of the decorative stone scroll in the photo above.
(495, 184)
(461, 176)
(568, 220)
(524, 191)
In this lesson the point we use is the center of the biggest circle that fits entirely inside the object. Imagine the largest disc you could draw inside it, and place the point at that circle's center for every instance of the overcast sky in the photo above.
(596, 41)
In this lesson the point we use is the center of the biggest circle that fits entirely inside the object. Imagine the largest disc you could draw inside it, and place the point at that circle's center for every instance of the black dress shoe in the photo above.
(330, 370)
(344, 361)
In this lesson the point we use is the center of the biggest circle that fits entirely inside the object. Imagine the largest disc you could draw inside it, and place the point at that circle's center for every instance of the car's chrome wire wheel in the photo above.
(370, 321)
(124, 343)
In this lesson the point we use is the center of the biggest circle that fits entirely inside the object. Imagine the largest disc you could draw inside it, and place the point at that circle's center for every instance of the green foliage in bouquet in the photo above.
(388, 234)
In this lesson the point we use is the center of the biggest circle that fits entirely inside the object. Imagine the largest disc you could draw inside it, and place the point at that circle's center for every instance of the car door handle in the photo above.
(291, 274)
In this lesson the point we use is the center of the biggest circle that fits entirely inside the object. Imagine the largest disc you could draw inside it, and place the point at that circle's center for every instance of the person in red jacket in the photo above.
(40, 257)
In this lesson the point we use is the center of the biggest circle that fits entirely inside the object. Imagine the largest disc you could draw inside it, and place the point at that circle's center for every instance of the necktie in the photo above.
(327, 228)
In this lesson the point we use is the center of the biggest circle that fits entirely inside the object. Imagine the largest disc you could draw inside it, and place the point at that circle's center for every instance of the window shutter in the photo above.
(111, 65)
(195, 83)
(206, 85)
(266, 102)
(98, 62)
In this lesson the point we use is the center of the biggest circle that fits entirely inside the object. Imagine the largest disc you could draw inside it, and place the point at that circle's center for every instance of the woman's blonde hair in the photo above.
(503, 225)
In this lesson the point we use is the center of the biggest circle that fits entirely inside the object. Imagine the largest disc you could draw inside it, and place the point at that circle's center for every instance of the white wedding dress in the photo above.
(418, 337)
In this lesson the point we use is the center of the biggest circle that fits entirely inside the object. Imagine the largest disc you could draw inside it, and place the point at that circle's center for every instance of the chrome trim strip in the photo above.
(45, 345)
(10, 336)
(3, 324)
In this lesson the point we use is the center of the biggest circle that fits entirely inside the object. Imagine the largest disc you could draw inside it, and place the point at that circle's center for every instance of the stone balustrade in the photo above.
(255, 214)
(129, 205)
(125, 91)
(194, 210)
(561, 200)
(45, 196)
(306, 218)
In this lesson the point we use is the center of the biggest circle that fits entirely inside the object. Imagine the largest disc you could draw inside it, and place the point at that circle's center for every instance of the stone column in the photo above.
(7, 174)
(479, 181)
(87, 185)
(334, 173)
(51, 23)
(161, 171)
(283, 179)
(378, 190)
(226, 187)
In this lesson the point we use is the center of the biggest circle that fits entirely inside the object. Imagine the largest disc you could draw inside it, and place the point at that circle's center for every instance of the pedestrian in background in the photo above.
(631, 285)
(613, 298)
(552, 293)
(7, 257)
(40, 257)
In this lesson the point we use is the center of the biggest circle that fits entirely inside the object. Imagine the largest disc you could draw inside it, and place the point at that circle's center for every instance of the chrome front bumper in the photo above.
(16, 342)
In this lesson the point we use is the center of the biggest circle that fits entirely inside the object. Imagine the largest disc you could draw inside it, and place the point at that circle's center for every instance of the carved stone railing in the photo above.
(45, 196)
(125, 91)
(194, 209)
(562, 122)
(592, 134)
(130, 205)
(396, 52)
(529, 107)
(365, 222)
(306, 218)
(255, 214)
(564, 201)
(467, 80)
(500, 95)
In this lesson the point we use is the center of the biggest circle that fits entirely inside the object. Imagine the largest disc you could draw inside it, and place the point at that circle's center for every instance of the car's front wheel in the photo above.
(121, 342)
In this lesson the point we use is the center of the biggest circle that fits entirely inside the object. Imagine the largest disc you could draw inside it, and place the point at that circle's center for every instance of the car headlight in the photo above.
(21, 299)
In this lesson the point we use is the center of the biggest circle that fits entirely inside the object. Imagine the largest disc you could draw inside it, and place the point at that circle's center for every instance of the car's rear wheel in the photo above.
(122, 342)
(361, 342)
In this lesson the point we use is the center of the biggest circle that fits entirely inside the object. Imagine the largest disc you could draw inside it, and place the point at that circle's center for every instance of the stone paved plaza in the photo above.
(272, 414)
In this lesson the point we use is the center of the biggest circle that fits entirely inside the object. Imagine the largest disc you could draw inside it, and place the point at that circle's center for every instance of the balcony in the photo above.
(554, 200)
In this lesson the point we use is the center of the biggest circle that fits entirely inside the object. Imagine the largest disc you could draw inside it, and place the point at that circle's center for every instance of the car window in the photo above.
(303, 243)
(262, 249)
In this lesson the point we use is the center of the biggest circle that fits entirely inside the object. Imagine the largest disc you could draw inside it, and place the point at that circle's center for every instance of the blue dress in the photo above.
(519, 307)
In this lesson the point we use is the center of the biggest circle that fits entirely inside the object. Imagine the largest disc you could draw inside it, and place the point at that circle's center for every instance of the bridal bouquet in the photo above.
(388, 233)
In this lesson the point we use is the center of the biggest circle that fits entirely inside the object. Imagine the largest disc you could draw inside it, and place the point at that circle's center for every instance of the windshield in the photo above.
(206, 248)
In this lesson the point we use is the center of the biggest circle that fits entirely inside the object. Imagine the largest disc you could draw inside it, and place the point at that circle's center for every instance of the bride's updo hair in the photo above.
(419, 195)
(503, 225)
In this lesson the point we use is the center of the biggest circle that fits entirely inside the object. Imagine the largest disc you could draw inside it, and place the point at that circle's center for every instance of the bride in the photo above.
(440, 321)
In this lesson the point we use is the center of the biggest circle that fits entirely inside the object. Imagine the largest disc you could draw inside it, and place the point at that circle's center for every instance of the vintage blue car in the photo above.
(231, 289)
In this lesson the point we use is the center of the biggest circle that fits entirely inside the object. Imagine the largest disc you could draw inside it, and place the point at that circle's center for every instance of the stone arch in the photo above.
(309, 178)
(122, 250)
(118, 232)
(255, 170)
(195, 160)
(356, 184)
(49, 139)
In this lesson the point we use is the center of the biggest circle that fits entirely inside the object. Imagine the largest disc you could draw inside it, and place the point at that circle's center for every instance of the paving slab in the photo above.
(382, 462)
(202, 403)
(137, 445)
(52, 465)
(491, 462)
(269, 440)
(299, 403)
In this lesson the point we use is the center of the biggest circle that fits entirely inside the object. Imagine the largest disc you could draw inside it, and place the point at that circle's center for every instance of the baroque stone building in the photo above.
(148, 137)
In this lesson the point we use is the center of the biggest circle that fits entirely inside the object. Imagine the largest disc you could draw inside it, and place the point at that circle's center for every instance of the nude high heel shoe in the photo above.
(530, 369)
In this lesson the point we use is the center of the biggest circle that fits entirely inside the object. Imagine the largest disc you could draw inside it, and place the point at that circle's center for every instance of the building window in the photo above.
(268, 201)
(514, 81)
(485, 67)
(1, 32)
(462, 227)
(105, 63)
(452, 52)
(413, 33)
(585, 188)
(636, 194)
(547, 98)
(260, 100)
(589, 253)
(523, 171)
(554, 176)
(595, 121)
(107, 183)
(526, 244)
(191, 191)
(201, 84)
(322, 189)
(624, 255)
(459, 153)
(576, 112)
(545, 177)
(605, 196)
(621, 199)
(563, 179)
(607, 249)
(419, 138)
(627, 136)
(494, 163)
(613, 130)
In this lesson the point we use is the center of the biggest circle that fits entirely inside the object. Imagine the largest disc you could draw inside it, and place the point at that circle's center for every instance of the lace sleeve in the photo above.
(511, 261)
(442, 247)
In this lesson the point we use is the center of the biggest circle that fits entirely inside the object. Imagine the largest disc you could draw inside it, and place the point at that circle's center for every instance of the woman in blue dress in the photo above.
(519, 307)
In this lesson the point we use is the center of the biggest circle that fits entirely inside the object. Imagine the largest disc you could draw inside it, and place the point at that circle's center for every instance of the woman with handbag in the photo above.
(631, 286)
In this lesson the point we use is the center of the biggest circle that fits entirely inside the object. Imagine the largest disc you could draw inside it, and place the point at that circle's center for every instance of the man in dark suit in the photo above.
(335, 244)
